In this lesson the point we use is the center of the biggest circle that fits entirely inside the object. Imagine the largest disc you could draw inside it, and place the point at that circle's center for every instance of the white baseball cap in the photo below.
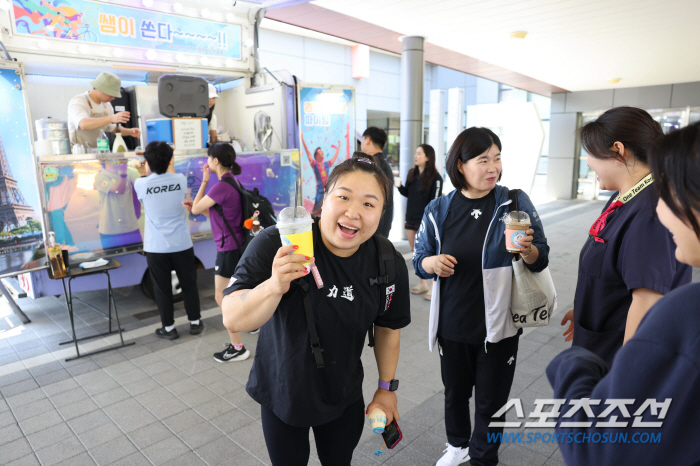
(212, 91)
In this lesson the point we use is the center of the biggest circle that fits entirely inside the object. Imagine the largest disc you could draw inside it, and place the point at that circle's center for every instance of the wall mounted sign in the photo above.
(88, 21)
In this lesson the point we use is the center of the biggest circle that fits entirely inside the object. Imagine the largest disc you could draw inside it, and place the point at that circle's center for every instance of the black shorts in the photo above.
(410, 226)
(226, 262)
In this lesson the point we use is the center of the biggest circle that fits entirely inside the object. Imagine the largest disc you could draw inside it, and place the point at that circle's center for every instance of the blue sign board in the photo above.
(84, 20)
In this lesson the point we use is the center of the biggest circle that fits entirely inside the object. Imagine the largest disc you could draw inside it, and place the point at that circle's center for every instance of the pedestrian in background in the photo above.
(167, 241)
(221, 160)
(423, 184)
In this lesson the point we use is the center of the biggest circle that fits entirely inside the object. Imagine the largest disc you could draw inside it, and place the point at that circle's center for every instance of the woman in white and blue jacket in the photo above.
(461, 246)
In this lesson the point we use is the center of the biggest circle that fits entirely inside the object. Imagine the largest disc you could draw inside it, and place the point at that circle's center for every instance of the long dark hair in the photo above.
(675, 164)
(472, 142)
(364, 163)
(226, 155)
(210, 114)
(631, 126)
(429, 172)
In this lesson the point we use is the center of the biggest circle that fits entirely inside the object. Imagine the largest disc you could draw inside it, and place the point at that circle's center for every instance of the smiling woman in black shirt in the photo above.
(294, 393)
(423, 184)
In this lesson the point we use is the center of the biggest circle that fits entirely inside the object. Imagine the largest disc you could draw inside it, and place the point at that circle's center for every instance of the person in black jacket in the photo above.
(423, 184)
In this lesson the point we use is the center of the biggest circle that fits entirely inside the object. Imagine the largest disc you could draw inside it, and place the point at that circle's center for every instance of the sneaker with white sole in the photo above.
(232, 354)
(453, 456)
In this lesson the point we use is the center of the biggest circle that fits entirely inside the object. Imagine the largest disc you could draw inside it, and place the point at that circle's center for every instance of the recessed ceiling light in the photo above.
(614, 80)
(518, 34)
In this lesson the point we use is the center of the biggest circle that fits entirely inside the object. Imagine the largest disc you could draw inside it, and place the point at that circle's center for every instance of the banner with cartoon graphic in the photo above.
(327, 135)
(88, 21)
(21, 241)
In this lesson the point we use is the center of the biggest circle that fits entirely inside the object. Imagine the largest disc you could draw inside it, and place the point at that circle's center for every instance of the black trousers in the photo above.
(335, 440)
(490, 373)
(183, 263)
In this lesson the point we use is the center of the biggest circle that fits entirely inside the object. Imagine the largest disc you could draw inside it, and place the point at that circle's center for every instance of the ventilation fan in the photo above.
(263, 131)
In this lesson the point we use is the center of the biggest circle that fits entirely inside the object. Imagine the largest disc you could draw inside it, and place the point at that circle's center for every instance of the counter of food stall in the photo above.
(91, 206)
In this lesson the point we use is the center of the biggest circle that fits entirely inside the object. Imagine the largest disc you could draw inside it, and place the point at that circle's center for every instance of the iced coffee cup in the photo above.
(377, 419)
(294, 225)
(517, 223)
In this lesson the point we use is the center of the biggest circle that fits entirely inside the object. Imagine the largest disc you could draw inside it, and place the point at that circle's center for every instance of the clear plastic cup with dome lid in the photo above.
(517, 224)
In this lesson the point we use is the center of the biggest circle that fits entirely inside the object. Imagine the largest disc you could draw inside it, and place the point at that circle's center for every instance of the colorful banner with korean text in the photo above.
(21, 241)
(88, 21)
(327, 135)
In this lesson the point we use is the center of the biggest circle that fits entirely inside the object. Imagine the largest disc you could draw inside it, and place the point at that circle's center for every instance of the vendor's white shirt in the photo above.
(78, 108)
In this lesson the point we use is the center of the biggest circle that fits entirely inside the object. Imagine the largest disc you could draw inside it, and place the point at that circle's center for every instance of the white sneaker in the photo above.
(453, 456)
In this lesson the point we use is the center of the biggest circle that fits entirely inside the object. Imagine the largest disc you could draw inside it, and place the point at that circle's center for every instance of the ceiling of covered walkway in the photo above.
(570, 44)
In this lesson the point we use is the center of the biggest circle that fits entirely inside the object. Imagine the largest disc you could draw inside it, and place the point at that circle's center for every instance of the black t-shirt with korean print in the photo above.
(284, 377)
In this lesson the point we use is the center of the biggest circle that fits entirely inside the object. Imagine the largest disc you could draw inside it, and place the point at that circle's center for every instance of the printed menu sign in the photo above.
(187, 133)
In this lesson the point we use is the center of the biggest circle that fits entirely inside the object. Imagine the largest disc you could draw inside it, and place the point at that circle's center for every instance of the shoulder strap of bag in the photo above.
(233, 182)
(220, 211)
(515, 206)
(316, 349)
(387, 274)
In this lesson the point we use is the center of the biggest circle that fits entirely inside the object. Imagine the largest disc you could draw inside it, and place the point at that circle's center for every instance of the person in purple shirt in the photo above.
(661, 362)
(221, 161)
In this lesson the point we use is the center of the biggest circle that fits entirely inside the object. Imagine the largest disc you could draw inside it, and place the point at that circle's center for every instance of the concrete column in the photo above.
(412, 80)
(436, 132)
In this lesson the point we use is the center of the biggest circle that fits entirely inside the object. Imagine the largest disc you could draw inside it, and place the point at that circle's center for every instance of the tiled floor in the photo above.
(168, 402)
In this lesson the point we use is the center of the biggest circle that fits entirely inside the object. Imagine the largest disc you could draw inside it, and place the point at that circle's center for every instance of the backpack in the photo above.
(386, 258)
(250, 202)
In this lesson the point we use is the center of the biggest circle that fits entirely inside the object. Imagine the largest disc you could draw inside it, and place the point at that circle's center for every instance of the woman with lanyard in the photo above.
(221, 161)
(423, 184)
(620, 277)
(661, 362)
(268, 291)
(461, 245)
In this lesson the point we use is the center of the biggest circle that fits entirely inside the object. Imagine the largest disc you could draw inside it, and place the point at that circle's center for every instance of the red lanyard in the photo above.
(621, 200)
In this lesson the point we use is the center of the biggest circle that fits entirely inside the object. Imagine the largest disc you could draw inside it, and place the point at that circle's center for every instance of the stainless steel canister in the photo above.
(48, 129)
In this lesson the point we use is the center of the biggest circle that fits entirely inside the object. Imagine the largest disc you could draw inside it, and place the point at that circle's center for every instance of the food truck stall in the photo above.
(52, 50)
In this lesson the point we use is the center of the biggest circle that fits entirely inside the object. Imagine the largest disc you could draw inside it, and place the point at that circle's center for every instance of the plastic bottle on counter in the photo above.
(102, 143)
(53, 251)
(119, 144)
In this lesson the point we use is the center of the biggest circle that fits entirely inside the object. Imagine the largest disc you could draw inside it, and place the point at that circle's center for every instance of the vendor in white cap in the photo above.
(211, 118)
(90, 112)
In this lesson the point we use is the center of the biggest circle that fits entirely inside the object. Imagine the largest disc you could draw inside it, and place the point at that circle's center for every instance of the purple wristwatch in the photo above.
(392, 386)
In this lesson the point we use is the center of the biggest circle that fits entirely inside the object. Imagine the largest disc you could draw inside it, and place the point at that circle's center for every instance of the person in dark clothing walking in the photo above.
(423, 184)
(373, 142)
